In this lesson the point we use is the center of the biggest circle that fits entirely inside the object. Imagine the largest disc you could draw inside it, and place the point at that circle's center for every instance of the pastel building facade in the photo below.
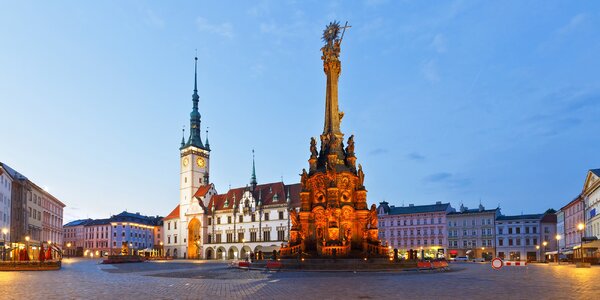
(74, 237)
(517, 236)
(472, 232)
(5, 205)
(573, 215)
(415, 227)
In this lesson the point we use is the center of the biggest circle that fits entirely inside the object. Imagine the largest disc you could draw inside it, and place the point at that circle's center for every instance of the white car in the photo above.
(461, 258)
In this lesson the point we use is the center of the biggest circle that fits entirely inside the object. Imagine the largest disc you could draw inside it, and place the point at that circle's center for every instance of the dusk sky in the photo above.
(459, 101)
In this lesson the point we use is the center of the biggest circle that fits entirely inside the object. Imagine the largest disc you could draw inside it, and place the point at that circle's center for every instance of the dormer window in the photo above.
(226, 203)
(276, 198)
(270, 190)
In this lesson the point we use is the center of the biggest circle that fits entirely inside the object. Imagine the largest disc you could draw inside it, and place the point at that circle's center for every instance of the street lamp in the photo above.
(69, 249)
(537, 247)
(161, 249)
(545, 244)
(580, 228)
(558, 249)
(27, 245)
(482, 249)
(4, 232)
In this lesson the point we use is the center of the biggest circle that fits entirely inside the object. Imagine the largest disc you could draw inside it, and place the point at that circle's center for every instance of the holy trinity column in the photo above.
(334, 219)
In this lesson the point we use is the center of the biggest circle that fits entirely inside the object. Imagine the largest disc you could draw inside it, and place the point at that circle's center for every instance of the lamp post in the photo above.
(580, 228)
(537, 247)
(69, 250)
(557, 249)
(4, 232)
(27, 246)
(482, 249)
(545, 244)
(161, 249)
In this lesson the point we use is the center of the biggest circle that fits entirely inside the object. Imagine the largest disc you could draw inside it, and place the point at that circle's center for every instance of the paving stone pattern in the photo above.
(86, 279)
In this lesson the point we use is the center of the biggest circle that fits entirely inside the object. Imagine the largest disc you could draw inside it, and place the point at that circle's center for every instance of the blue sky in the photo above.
(459, 101)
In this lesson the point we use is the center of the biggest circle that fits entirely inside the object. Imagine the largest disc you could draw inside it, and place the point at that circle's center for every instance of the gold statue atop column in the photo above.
(334, 219)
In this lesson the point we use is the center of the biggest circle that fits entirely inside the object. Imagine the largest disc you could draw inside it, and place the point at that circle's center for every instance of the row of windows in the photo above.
(411, 221)
(411, 232)
(418, 242)
(266, 216)
(517, 242)
(471, 244)
(484, 231)
(517, 230)
(472, 223)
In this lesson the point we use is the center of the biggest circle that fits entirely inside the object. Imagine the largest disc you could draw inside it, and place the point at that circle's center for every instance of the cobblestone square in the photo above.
(86, 279)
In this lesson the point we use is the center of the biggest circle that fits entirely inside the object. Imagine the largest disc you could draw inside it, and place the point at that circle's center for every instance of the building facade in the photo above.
(591, 196)
(209, 225)
(517, 236)
(74, 237)
(573, 215)
(560, 230)
(97, 235)
(5, 204)
(52, 219)
(472, 232)
(135, 230)
(20, 192)
(415, 227)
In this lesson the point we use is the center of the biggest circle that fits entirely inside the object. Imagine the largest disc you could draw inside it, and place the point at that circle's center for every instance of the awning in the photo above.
(567, 252)
(551, 253)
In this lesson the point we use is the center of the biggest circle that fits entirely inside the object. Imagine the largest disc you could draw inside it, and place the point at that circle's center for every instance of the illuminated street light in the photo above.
(558, 248)
(581, 228)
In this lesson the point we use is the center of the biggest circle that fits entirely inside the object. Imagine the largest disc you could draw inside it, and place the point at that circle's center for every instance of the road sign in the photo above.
(497, 263)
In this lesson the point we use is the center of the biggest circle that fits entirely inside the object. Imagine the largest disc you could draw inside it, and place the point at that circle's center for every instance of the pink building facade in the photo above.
(415, 227)
(574, 214)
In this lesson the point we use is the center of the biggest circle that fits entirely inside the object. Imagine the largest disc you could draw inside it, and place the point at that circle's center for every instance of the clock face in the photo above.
(200, 162)
(186, 161)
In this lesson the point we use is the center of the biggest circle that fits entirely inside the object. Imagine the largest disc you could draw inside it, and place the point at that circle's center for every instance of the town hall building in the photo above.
(208, 225)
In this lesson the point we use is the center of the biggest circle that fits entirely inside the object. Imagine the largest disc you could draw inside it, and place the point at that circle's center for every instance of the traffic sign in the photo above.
(497, 263)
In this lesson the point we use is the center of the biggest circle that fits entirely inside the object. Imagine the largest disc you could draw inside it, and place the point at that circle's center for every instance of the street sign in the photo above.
(497, 263)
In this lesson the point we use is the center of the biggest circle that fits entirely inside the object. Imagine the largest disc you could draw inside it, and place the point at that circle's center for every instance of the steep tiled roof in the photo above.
(266, 193)
(173, 215)
(596, 171)
(12, 173)
(417, 209)
(201, 192)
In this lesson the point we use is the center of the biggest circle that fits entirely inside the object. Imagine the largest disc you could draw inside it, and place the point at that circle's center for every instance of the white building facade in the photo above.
(5, 205)
(591, 196)
(522, 237)
(472, 232)
(211, 226)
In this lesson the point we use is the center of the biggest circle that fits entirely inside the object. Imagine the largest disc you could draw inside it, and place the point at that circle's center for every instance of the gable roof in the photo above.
(12, 173)
(596, 172)
(174, 214)
(201, 192)
(265, 192)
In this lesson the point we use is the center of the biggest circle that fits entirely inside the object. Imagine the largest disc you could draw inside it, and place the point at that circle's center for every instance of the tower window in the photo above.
(185, 179)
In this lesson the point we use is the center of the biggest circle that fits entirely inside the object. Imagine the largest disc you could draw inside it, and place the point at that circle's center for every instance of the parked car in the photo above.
(461, 258)
(478, 259)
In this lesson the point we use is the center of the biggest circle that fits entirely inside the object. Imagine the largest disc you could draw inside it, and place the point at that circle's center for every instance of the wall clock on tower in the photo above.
(186, 161)
(200, 162)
